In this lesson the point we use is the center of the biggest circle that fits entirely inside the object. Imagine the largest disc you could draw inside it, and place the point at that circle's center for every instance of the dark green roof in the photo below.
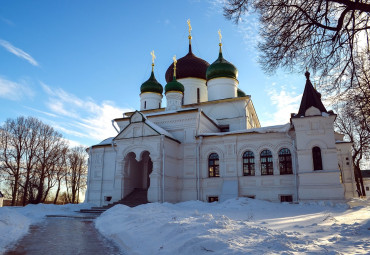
(151, 85)
(174, 85)
(221, 68)
(241, 93)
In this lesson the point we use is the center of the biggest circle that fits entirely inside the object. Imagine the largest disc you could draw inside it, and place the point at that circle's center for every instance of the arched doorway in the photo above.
(136, 180)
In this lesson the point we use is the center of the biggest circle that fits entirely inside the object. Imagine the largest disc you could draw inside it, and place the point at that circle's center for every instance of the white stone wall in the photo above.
(232, 113)
(174, 100)
(346, 169)
(366, 186)
(230, 150)
(320, 184)
(150, 101)
(221, 88)
(183, 168)
(101, 174)
(190, 90)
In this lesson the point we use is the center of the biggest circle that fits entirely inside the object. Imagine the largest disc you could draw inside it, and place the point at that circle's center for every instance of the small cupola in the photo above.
(221, 78)
(221, 68)
(174, 91)
(151, 91)
(311, 103)
(241, 93)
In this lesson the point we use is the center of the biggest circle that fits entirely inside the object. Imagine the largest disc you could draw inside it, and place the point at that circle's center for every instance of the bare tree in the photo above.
(326, 36)
(76, 173)
(32, 143)
(353, 126)
(60, 172)
(331, 37)
(12, 149)
(49, 152)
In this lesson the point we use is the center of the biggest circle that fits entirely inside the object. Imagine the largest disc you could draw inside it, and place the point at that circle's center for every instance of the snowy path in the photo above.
(64, 235)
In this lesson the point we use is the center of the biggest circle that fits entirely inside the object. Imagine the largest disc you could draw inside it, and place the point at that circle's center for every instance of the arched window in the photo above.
(144, 104)
(316, 157)
(248, 163)
(266, 163)
(213, 165)
(198, 95)
(285, 161)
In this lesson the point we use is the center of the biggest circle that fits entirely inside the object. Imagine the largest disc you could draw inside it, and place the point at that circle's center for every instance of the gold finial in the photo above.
(189, 30)
(174, 65)
(314, 84)
(220, 36)
(153, 57)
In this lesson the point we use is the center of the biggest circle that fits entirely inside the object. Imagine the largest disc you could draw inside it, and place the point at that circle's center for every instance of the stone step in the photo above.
(135, 198)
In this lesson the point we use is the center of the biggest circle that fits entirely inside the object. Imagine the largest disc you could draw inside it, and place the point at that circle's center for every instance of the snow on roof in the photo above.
(263, 130)
(159, 129)
(168, 112)
(106, 141)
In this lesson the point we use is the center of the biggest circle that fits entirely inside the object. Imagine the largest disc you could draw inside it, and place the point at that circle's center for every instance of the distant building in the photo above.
(207, 144)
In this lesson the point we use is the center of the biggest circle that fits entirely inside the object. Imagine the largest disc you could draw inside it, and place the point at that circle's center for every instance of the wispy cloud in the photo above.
(18, 52)
(82, 118)
(13, 90)
(6, 21)
(285, 102)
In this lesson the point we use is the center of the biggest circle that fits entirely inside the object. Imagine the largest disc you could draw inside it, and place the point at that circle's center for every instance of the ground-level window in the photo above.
(266, 163)
(212, 199)
(251, 196)
(213, 165)
(286, 198)
(248, 163)
(367, 189)
(285, 161)
(316, 157)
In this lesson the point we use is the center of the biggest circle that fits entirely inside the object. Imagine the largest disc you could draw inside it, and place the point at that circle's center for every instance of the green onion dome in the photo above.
(151, 85)
(221, 68)
(241, 93)
(174, 86)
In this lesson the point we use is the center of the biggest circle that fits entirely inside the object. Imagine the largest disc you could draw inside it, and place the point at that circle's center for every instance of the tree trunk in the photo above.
(57, 193)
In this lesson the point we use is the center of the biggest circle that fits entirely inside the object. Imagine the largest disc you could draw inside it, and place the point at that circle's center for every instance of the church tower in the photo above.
(192, 75)
(222, 78)
(151, 91)
(318, 173)
(174, 91)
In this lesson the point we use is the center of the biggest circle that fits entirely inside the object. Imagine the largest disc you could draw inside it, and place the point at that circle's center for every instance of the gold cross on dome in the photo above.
(153, 56)
(189, 27)
(219, 35)
(174, 60)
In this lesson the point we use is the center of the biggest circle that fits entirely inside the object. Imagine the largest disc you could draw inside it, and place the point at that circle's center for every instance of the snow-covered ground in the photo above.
(239, 226)
(15, 221)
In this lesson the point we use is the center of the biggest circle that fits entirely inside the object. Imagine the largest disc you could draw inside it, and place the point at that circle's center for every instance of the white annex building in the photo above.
(208, 145)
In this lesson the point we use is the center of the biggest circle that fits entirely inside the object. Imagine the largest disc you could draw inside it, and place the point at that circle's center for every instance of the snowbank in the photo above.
(238, 226)
(15, 221)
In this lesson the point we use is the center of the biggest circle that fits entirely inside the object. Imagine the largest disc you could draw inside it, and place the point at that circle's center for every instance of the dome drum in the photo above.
(222, 88)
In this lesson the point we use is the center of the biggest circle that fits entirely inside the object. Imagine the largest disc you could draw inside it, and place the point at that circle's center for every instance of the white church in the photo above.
(207, 144)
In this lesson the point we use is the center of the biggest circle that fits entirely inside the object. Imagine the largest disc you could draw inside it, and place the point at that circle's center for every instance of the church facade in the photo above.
(207, 144)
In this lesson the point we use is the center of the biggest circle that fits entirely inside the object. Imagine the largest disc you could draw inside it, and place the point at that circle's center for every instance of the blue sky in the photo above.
(78, 64)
